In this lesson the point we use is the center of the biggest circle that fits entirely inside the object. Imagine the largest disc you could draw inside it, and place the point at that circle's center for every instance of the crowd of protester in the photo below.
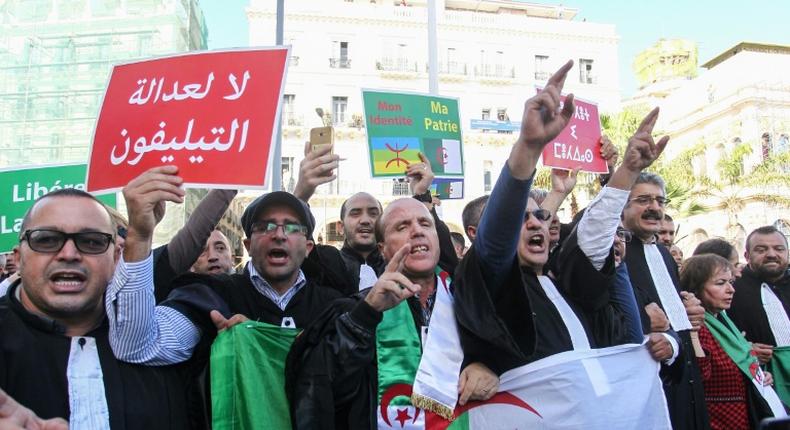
(99, 329)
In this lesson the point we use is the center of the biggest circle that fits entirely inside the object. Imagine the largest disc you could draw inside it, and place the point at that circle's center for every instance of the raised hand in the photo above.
(317, 167)
(420, 175)
(145, 199)
(642, 151)
(563, 181)
(543, 118)
(392, 286)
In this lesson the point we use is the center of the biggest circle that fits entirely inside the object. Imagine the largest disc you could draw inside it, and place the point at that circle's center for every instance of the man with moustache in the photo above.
(654, 276)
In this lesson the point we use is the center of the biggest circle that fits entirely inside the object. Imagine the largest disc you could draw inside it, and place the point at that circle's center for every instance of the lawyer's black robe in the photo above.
(747, 311)
(34, 357)
(509, 326)
(682, 380)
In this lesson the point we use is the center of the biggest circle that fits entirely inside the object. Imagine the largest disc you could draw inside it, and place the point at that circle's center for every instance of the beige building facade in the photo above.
(491, 56)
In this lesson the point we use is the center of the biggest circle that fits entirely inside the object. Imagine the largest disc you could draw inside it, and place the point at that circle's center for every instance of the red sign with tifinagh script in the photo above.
(212, 114)
(579, 144)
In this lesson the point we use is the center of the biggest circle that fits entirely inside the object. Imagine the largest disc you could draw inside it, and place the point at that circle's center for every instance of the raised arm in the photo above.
(599, 223)
(189, 242)
(316, 168)
(141, 332)
(498, 231)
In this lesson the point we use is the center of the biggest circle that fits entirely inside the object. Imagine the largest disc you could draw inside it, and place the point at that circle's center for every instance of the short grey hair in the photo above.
(652, 178)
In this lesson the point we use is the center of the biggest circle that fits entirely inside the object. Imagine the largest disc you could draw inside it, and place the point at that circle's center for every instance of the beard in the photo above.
(767, 273)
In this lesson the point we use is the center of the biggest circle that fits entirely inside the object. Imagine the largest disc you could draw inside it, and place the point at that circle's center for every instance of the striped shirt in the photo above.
(263, 287)
(141, 332)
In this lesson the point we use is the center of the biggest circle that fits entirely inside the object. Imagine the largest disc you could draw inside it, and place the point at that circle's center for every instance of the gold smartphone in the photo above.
(322, 136)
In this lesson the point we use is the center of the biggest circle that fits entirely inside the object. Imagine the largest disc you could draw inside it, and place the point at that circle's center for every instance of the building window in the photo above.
(487, 183)
(541, 67)
(585, 71)
(400, 187)
(334, 233)
(289, 114)
(340, 58)
(501, 114)
(339, 107)
(485, 114)
(287, 180)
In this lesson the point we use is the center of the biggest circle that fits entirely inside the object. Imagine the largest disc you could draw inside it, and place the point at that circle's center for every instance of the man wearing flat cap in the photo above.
(272, 289)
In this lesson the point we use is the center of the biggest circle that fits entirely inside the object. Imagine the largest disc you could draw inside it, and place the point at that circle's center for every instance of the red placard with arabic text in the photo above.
(212, 114)
(579, 143)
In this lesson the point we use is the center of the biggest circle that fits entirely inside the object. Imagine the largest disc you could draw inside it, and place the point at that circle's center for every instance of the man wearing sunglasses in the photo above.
(55, 354)
(654, 276)
(553, 312)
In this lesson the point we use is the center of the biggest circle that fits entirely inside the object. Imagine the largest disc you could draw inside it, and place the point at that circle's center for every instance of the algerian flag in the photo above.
(248, 377)
(444, 155)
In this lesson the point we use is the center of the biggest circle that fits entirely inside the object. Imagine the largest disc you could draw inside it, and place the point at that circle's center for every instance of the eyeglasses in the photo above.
(289, 228)
(540, 214)
(646, 200)
(122, 231)
(624, 235)
(52, 241)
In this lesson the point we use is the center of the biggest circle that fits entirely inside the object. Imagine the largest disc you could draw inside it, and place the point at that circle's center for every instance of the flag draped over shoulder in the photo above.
(248, 377)
(779, 366)
(740, 351)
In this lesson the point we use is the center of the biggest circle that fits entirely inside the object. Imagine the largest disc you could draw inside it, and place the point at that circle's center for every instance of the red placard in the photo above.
(212, 114)
(579, 143)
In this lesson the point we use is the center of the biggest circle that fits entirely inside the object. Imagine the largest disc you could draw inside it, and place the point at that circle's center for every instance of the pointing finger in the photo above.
(396, 263)
(649, 121)
(558, 79)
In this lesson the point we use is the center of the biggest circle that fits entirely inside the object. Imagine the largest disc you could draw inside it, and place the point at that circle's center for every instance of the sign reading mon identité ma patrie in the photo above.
(21, 186)
(399, 125)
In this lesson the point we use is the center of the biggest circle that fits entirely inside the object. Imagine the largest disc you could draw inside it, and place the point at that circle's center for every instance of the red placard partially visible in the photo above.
(579, 143)
(212, 114)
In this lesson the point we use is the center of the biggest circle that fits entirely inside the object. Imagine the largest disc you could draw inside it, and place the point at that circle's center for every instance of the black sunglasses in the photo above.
(540, 214)
(52, 241)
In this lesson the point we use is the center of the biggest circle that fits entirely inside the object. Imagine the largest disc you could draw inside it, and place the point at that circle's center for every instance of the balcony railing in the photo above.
(542, 76)
(291, 119)
(588, 79)
(495, 71)
(340, 63)
(397, 64)
(452, 68)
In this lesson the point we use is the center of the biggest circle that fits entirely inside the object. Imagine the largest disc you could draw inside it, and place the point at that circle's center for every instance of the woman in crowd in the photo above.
(725, 361)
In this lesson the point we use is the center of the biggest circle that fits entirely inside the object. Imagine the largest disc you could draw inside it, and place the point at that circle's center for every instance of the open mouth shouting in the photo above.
(68, 281)
(536, 243)
(277, 257)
